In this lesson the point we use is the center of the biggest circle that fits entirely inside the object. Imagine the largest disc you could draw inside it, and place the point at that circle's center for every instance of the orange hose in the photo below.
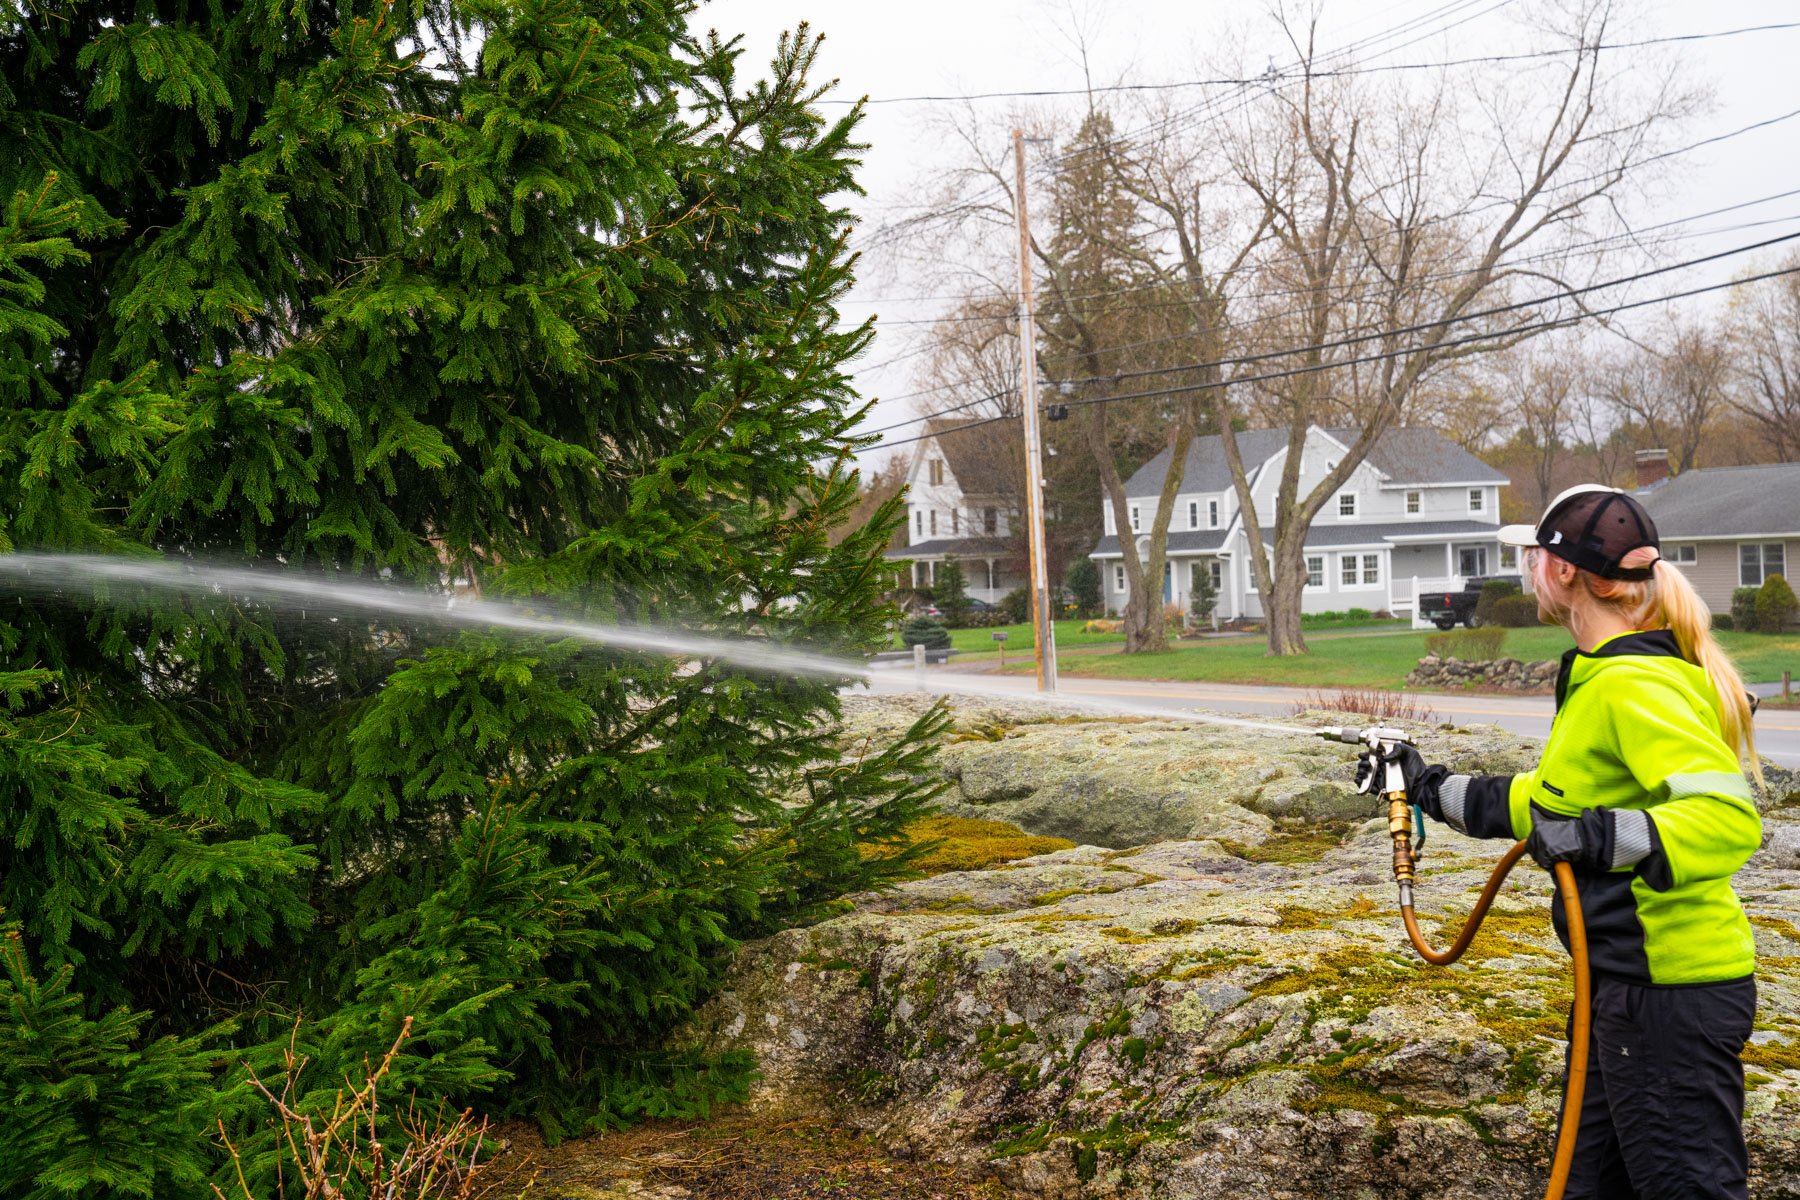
(1583, 1015)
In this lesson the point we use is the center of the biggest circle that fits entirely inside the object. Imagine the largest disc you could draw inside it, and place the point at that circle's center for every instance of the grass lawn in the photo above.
(1380, 660)
(1020, 640)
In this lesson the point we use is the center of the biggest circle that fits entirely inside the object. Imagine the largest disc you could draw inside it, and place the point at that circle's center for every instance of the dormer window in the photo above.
(934, 522)
(1193, 514)
(1346, 504)
(935, 470)
(1415, 502)
(919, 521)
(1212, 514)
(955, 520)
(1134, 518)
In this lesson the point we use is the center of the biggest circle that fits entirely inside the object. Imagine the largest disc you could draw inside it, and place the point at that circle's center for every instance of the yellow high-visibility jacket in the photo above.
(1637, 731)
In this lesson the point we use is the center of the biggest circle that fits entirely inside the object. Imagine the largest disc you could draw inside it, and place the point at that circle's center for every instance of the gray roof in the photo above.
(971, 547)
(1206, 468)
(1727, 501)
(1182, 541)
(1404, 455)
(1324, 533)
(1422, 456)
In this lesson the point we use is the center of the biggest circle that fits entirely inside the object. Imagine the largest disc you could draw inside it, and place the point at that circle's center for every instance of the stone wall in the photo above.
(1506, 674)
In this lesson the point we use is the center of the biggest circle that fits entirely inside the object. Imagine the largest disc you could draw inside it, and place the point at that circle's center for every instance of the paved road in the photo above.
(1777, 733)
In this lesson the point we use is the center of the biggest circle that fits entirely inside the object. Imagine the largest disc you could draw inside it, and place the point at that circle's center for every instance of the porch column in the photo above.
(1449, 571)
(990, 567)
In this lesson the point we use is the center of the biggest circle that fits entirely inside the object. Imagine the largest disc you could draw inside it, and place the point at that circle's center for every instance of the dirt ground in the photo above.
(737, 1156)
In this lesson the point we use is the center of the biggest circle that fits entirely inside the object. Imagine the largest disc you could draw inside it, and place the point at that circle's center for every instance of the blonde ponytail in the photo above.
(1690, 620)
(1668, 600)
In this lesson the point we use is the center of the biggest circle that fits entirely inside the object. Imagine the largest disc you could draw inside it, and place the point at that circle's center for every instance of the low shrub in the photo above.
(1469, 645)
(1743, 608)
(1776, 606)
(1723, 621)
(1015, 607)
(928, 632)
(1517, 611)
(1373, 703)
(1492, 593)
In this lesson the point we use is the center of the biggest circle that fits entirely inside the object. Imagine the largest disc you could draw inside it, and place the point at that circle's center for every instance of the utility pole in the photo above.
(1042, 626)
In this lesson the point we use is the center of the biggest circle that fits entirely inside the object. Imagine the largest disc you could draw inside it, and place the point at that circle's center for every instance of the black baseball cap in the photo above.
(1592, 526)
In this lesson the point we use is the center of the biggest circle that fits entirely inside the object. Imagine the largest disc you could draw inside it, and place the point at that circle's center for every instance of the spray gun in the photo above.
(1386, 779)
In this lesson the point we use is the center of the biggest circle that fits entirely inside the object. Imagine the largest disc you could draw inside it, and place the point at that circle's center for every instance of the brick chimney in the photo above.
(1652, 468)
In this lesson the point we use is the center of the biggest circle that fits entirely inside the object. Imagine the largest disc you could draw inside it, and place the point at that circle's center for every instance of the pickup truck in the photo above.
(1445, 609)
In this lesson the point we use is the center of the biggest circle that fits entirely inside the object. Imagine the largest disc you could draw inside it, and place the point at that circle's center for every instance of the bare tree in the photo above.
(1673, 388)
(1763, 333)
(1402, 217)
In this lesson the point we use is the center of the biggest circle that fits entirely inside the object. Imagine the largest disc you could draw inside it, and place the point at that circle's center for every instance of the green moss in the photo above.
(969, 844)
(1133, 1051)
(1786, 929)
(1294, 841)
(1772, 1056)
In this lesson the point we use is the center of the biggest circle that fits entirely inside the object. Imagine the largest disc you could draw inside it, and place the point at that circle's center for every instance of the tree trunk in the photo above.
(1282, 601)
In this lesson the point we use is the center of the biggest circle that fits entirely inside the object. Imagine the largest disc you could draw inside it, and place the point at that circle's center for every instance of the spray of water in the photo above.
(299, 592)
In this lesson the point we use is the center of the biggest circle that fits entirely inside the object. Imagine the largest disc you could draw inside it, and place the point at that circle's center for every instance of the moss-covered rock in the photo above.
(1208, 1017)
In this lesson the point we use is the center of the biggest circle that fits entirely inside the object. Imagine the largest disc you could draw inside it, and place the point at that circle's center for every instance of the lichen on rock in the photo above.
(1200, 1017)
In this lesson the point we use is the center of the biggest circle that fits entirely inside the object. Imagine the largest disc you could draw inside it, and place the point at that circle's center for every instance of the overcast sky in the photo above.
(937, 47)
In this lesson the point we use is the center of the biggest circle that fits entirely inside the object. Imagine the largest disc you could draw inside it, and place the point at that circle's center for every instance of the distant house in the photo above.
(1419, 508)
(962, 504)
(1726, 527)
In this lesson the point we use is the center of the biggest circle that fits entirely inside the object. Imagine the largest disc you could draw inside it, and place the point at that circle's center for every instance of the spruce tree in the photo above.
(535, 295)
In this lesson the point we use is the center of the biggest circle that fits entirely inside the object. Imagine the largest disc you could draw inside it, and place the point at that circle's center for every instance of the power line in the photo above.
(1270, 78)
(1565, 294)
(1624, 235)
(1542, 326)
(1281, 316)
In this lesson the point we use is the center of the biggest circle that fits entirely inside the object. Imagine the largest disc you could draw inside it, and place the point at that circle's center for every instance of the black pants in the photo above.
(1663, 1115)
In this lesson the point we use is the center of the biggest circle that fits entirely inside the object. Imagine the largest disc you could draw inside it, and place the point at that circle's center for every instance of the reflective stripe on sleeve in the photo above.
(1452, 794)
(1632, 839)
(1709, 783)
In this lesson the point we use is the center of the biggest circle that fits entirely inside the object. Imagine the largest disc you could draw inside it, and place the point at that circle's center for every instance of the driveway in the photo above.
(1777, 732)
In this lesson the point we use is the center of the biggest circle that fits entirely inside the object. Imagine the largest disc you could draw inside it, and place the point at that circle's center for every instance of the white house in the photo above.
(1726, 527)
(959, 505)
(1418, 508)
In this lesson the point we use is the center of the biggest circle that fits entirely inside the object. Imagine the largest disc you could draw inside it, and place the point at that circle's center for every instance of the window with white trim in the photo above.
(1346, 504)
(935, 469)
(1415, 503)
(990, 520)
(1218, 574)
(1134, 518)
(1212, 514)
(1759, 560)
(1509, 558)
(1359, 570)
(956, 520)
(934, 520)
(1471, 560)
(1118, 577)
(1682, 553)
(919, 521)
(1315, 570)
(1477, 499)
(1193, 514)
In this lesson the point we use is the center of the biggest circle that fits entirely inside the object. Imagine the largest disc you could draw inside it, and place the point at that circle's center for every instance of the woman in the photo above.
(1640, 789)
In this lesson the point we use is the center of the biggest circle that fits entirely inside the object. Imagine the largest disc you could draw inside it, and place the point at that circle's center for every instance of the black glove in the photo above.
(1584, 842)
(1422, 781)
